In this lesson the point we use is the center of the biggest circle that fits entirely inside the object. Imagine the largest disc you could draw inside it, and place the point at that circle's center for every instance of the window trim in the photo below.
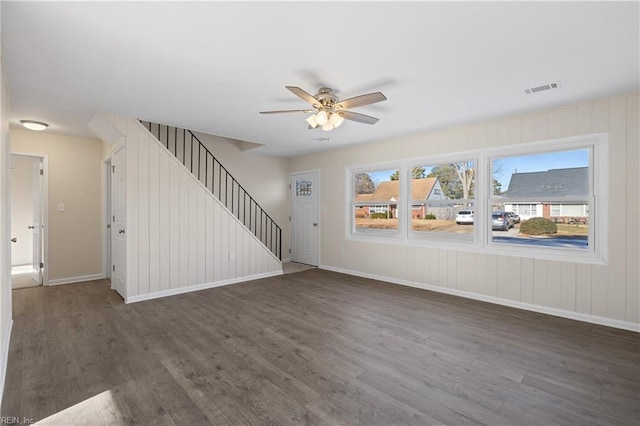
(371, 234)
(440, 160)
(597, 201)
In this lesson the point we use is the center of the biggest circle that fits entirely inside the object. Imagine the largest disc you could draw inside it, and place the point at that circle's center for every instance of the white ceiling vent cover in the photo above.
(554, 85)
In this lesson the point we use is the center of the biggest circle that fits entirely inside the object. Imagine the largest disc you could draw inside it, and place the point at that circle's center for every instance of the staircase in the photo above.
(192, 153)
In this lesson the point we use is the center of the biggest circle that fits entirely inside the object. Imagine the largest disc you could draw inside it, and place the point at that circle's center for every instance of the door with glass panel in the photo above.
(305, 215)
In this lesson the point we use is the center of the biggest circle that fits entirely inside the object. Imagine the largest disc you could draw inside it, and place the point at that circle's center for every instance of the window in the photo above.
(303, 188)
(491, 200)
(523, 210)
(376, 194)
(568, 210)
(550, 186)
(439, 192)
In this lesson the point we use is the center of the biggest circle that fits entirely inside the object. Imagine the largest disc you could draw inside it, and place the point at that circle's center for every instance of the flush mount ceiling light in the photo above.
(34, 125)
(328, 112)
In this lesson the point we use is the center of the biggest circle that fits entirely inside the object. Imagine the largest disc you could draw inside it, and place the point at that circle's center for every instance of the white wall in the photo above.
(75, 179)
(265, 177)
(22, 199)
(5, 231)
(179, 237)
(604, 294)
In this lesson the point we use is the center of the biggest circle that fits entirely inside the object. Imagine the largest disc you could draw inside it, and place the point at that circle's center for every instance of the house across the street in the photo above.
(385, 198)
(551, 193)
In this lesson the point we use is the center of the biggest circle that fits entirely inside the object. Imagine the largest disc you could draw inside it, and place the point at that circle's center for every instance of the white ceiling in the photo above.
(211, 66)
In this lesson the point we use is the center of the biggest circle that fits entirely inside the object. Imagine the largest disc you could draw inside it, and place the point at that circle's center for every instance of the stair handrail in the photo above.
(271, 241)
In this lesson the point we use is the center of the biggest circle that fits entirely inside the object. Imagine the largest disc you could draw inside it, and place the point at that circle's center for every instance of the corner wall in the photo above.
(603, 294)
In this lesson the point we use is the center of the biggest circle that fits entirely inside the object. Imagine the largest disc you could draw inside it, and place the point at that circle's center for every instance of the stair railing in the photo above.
(192, 153)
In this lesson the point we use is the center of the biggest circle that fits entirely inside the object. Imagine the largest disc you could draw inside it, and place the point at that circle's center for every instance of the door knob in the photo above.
(121, 231)
(31, 227)
(14, 240)
(315, 224)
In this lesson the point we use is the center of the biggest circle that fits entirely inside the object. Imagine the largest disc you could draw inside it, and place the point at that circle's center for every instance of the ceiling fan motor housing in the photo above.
(326, 97)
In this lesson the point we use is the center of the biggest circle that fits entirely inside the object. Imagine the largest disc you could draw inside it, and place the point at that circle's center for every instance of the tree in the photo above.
(497, 187)
(364, 184)
(449, 181)
(466, 172)
(497, 167)
(416, 173)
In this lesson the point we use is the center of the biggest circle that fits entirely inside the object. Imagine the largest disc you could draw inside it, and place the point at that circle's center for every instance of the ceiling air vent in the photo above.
(554, 85)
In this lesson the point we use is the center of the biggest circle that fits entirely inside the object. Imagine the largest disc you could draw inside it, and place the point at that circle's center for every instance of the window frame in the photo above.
(597, 199)
(598, 202)
(442, 160)
(371, 234)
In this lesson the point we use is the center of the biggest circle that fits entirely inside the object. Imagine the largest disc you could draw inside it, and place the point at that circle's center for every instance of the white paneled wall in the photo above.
(179, 237)
(607, 294)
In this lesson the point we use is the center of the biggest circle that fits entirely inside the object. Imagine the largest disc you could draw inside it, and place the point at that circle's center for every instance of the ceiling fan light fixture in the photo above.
(321, 117)
(312, 121)
(327, 126)
(336, 120)
(328, 111)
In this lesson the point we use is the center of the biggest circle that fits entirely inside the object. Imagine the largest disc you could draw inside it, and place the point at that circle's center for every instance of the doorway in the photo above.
(28, 218)
(305, 217)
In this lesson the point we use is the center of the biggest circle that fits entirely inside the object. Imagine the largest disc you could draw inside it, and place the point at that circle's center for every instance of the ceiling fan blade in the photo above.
(360, 118)
(286, 110)
(304, 96)
(369, 98)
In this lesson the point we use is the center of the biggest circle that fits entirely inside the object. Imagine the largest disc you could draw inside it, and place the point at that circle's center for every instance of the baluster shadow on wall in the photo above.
(191, 152)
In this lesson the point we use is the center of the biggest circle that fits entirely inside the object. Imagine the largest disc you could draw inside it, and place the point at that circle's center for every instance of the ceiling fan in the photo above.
(328, 111)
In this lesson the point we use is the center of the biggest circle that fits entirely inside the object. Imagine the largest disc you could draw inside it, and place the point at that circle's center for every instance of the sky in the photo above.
(521, 164)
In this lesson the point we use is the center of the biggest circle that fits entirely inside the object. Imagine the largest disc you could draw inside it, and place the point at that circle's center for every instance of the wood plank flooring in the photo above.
(314, 347)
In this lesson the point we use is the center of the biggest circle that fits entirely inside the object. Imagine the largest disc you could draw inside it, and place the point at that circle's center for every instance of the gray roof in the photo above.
(572, 182)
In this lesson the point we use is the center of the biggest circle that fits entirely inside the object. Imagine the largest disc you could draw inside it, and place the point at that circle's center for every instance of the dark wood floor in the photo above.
(314, 347)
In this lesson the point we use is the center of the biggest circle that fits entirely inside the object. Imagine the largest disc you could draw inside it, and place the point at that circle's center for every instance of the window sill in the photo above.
(583, 256)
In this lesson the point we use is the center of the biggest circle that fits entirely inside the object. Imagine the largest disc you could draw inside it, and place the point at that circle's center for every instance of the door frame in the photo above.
(319, 212)
(106, 218)
(44, 159)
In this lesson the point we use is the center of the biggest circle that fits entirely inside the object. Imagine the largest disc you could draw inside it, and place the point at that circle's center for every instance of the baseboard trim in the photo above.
(21, 269)
(198, 287)
(77, 279)
(593, 319)
(5, 356)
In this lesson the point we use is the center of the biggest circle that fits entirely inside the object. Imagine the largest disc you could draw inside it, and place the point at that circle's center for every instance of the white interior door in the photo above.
(36, 227)
(118, 235)
(108, 212)
(305, 217)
